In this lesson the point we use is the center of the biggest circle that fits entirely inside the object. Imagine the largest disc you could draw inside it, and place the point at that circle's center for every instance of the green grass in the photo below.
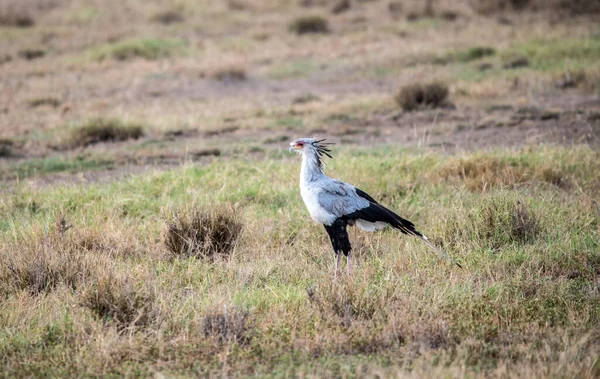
(293, 69)
(526, 300)
(544, 56)
(559, 54)
(40, 166)
(147, 48)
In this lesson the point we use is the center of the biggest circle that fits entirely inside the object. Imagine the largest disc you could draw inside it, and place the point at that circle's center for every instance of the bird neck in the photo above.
(312, 168)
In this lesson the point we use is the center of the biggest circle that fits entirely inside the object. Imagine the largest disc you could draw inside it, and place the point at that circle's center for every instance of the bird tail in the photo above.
(439, 252)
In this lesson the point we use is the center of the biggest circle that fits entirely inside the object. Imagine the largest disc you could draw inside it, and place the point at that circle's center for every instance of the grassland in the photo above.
(528, 241)
(116, 142)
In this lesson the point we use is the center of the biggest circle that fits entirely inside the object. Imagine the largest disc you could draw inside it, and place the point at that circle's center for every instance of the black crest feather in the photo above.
(322, 147)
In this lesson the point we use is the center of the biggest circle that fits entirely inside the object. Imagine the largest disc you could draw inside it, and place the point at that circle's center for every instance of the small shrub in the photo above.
(574, 7)
(168, 17)
(506, 221)
(44, 101)
(116, 300)
(571, 79)
(305, 98)
(229, 325)
(203, 233)
(150, 49)
(579, 6)
(5, 58)
(309, 24)
(476, 53)
(31, 54)
(350, 301)
(232, 73)
(17, 16)
(481, 173)
(6, 148)
(105, 130)
(493, 223)
(417, 96)
(492, 6)
(341, 6)
(395, 8)
(518, 62)
(43, 264)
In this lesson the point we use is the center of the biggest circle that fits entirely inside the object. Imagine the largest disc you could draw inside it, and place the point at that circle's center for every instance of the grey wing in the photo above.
(340, 199)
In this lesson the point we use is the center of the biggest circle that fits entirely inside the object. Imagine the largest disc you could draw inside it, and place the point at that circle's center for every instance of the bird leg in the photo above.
(339, 240)
(348, 264)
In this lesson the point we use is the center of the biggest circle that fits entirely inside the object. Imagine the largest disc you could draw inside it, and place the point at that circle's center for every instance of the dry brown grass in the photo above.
(120, 301)
(419, 96)
(526, 257)
(484, 173)
(45, 262)
(525, 304)
(203, 232)
(494, 223)
(227, 325)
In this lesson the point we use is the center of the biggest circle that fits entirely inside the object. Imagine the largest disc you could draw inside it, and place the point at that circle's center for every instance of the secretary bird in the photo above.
(336, 204)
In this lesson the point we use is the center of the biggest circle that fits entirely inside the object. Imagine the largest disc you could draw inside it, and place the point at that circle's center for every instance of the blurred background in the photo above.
(116, 86)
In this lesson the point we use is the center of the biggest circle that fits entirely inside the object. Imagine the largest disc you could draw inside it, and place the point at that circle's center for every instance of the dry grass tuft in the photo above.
(168, 17)
(571, 79)
(17, 15)
(309, 25)
(493, 6)
(227, 326)
(574, 7)
(117, 301)
(232, 73)
(6, 148)
(418, 96)
(203, 233)
(341, 6)
(345, 302)
(506, 221)
(496, 222)
(481, 173)
(44, 101)
(42, 264)
(148, 48)
(31, 53)
(477, 52)
(105, 130)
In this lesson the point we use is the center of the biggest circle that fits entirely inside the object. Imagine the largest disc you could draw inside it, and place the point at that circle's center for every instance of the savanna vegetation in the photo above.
(150, 216)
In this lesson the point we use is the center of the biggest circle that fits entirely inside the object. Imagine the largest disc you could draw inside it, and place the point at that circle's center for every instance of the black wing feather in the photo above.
(365, 195)
(376, 212)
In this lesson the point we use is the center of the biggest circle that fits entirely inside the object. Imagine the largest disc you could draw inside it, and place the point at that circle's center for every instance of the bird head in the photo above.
(310, 146)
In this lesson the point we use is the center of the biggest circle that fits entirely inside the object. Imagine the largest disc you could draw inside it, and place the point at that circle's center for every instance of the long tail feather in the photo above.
(440, 253)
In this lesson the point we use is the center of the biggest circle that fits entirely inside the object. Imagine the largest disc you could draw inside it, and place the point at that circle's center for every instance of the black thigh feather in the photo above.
(338, 234)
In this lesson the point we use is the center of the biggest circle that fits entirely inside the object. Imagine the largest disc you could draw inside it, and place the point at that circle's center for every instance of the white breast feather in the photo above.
(310, 195)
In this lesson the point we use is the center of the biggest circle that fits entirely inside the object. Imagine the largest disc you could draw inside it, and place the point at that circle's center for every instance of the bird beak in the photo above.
(292, 147)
